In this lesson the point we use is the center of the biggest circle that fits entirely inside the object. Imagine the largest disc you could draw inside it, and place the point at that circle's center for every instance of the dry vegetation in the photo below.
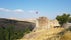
(51, 34)
(66, 36)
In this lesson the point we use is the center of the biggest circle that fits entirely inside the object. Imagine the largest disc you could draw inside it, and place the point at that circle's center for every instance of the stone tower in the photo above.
(41, 23)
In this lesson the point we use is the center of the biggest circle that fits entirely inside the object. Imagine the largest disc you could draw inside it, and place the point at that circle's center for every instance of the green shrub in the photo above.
(9, 33)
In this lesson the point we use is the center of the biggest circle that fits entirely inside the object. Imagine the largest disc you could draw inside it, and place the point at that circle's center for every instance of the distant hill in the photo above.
(19, 25)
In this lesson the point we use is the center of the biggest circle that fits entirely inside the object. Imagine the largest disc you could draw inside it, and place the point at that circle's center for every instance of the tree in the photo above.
(2, 33)
(10, 33)
(63, 18)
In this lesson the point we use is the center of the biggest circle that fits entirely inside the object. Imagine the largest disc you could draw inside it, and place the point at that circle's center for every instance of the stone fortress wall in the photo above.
(45, 23)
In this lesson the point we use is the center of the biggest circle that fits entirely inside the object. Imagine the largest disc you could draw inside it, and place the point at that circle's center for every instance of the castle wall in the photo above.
(45, 23)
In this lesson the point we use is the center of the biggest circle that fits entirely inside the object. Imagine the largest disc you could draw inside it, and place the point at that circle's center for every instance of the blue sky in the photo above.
(28, 8)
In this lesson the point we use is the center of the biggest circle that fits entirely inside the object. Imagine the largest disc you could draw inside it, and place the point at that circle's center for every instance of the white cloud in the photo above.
(4, 10)
(18, 11)
(12, 11)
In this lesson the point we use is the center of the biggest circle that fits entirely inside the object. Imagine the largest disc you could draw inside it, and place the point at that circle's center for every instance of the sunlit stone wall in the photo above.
(45, 23)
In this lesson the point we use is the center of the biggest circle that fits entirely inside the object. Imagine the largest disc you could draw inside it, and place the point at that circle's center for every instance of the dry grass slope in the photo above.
(51, 34)
(66, 36)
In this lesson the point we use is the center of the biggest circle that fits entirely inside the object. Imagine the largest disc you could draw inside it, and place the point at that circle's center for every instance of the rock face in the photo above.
(67, 25)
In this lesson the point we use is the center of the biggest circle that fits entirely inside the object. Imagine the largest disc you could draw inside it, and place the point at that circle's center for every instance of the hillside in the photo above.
(14, 29)
(51, 34)
(43, 34)
(17, 24)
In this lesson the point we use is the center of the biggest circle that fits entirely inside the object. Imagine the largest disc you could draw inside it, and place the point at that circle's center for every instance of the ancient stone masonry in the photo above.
(45, 23)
